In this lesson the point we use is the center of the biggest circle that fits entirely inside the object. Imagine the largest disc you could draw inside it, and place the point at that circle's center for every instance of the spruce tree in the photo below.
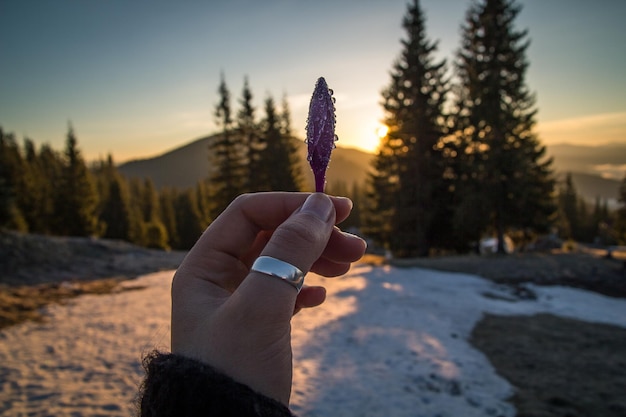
(568, 208)
(11, 180)
(600, 222)
(226, 155)
(149, 202)
(408, 180)
(119, 207)
(285, 117)
(167, 202)
(619, 231)
(51, 166)
(77, 202)
(501, 162)
(116, 210)
(31, 189)
(138, 224)
(188, 219)
(204, 204)
(278, 168)
(290, 144)
(252, 141)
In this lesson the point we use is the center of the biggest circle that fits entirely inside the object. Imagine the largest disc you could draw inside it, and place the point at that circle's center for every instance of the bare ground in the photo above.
(38, 270)
(559, 367)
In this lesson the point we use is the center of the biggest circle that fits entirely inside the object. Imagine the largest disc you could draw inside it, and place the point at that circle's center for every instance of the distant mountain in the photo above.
(591, 186)
(589, 165)
(185, 166)
(587, 159)
(182, 167)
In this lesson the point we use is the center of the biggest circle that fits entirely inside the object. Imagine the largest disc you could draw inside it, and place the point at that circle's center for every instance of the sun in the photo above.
(381, 131)
(367, 137)
(373, 135)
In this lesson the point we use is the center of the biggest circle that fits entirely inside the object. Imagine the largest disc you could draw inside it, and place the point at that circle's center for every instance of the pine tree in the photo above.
(149, 202)
(31, 188)
(188, 219)
(601, 223)
(408, 181)
(51, 166)
(277, 169)
(77, 202)
(116, 211)
(11, 180)
(290, 145)
(502, 160)
(204, 204)
(569, 217)
(226, 155)
(619, 232)
(252, 141)
(167, 201)
(285, 117)
(138, 224)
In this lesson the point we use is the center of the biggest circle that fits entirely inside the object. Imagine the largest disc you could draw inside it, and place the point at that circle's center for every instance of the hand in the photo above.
(239, 321)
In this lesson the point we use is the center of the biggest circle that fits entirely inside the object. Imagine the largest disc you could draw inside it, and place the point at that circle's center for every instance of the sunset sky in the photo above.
(139, 78)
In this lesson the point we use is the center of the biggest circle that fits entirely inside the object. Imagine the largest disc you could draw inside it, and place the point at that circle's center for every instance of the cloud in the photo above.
(588, 130)
(610, 171)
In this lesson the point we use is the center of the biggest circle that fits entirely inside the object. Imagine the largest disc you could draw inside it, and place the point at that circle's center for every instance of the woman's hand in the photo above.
(238, 321)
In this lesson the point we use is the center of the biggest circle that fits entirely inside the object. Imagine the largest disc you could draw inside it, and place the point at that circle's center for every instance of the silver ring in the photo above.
(279, 269)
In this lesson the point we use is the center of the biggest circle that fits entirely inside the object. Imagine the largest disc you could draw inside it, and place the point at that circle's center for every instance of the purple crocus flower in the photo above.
(320, 131)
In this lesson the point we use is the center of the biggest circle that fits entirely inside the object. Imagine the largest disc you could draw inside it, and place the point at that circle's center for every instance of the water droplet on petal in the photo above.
(336, 138)
(330, 90)
(334, 100)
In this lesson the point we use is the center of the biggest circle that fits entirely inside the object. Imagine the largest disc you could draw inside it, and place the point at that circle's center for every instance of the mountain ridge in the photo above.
(187, 164)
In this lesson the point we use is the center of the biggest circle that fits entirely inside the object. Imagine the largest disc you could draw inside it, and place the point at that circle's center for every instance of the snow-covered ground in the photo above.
(386, 342)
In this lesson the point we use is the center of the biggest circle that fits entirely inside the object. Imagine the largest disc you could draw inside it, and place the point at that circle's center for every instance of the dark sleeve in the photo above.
(179, 386)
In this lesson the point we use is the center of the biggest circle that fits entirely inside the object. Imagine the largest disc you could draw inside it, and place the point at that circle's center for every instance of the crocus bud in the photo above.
(320, 131)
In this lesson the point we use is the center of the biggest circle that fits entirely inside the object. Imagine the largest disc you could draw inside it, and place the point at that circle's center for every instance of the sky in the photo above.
(136, 79)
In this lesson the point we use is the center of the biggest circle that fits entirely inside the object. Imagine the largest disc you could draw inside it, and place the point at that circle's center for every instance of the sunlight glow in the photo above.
(381, 131)
(371, 135)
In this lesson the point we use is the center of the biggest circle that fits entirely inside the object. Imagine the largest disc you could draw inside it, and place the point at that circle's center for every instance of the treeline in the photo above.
(50, 192)
(248, 154)
(581, 221)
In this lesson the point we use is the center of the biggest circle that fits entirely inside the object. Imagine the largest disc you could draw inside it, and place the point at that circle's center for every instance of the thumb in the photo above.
(300, 241)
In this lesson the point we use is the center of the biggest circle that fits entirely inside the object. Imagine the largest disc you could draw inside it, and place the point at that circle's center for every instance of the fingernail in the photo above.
(319, 205)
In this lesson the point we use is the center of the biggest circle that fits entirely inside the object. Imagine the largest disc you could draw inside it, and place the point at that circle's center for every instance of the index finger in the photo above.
(218, 256)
